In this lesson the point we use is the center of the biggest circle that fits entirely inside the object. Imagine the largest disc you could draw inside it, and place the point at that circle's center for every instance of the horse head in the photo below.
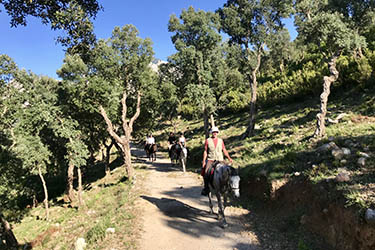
(234, 181)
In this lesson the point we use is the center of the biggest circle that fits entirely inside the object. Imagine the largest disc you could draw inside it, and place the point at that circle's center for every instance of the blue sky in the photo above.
(34, 48)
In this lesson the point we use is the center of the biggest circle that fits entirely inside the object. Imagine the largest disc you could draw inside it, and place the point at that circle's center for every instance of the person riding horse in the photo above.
(182, 140)
(171, 141)
(214, 151)
(150, 140)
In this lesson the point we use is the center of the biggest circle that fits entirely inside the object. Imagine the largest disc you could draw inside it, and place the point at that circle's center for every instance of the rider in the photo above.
(171, 140)
(214, 150)
(182, 140)
(150, 140)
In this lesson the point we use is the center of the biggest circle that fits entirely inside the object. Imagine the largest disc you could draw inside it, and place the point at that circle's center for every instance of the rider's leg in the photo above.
(206, 177)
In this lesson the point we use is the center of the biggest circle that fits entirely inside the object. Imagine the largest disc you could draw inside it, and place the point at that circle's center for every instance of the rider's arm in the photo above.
(226, 153)
(205, 154)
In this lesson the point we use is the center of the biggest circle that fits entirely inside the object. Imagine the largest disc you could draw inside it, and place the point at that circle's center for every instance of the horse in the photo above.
(151, 151)
(174, 153)
(178, 154)
(224, 178)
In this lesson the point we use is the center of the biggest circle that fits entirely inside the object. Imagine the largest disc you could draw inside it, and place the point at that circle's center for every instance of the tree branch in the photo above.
(109, 125)
(135, 116)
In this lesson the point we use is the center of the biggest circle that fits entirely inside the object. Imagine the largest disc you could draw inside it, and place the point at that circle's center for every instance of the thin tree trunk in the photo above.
(127, 128)
(80, 200)
(10, 239)
(327, 81)
(107, 157)
(253, 86)
(45, 192)
(69, 185)
(205, 124)
(212, 119)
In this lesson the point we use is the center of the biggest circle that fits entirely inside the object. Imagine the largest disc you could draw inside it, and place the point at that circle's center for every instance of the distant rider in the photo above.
(150, 140)
(182, 140)
(171, 141)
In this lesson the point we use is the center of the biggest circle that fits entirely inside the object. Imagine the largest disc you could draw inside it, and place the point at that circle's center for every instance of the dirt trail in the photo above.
(176, 216)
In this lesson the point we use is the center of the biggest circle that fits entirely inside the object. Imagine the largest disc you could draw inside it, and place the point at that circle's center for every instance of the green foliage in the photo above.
(196, 40)
(354, 70)
(234, 100)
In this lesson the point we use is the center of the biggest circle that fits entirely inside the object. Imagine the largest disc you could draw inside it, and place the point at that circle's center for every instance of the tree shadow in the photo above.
(195, 222)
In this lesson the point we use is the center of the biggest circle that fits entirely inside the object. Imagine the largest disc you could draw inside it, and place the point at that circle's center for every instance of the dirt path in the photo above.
(176, 216)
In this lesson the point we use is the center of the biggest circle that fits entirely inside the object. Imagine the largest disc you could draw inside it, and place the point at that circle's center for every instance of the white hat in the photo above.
(215, 129)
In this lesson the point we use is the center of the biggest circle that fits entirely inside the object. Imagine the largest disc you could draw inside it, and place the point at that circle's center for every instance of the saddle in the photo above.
(210, 173)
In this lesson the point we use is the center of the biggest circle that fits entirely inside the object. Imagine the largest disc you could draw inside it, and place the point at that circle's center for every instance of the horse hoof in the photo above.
(224, 225)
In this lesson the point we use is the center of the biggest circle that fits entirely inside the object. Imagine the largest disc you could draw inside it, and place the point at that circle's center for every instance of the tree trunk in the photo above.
(127, 127)
(107, 156)
(69, 184)
(10, 239)
(253, 86)
(45, 192)
(80, 201)
(205, 124)
(327, 81)
(212, 119)
(127, 158)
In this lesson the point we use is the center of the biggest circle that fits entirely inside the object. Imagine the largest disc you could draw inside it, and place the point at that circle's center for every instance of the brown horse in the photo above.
(151, 151)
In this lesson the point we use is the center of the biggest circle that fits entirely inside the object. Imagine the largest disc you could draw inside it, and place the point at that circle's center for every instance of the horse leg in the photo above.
(225, 202)
(210, 203)
(220, 213)
(182, 163)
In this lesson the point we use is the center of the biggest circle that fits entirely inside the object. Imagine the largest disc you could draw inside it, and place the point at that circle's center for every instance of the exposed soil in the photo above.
(176, 216)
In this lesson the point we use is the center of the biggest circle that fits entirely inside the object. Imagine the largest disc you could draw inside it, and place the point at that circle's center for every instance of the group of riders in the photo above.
(214, 152)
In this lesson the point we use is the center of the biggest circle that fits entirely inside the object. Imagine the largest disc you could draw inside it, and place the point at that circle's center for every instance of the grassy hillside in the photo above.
(109, 203)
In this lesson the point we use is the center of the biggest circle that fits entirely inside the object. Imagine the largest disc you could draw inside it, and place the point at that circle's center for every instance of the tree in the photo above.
(334, 33)
(130, 67)
(252, 25)
(73, 16)
(111, 84)
(196, 40)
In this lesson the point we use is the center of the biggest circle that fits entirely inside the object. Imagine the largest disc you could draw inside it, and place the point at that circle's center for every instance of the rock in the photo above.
(370, 216)
(342, 177)
(327, 147)
(80, 244)
(325, 211)
(362, 161)
(338, 154)
(343, 161)
(110, 230)
(346, 151)
(303, 220)
(365, 155)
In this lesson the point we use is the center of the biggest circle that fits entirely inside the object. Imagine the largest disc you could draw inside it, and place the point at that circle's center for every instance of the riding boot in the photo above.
(206, 189)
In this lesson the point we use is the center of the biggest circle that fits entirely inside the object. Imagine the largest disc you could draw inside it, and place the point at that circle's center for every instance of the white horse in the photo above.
(224, 179)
